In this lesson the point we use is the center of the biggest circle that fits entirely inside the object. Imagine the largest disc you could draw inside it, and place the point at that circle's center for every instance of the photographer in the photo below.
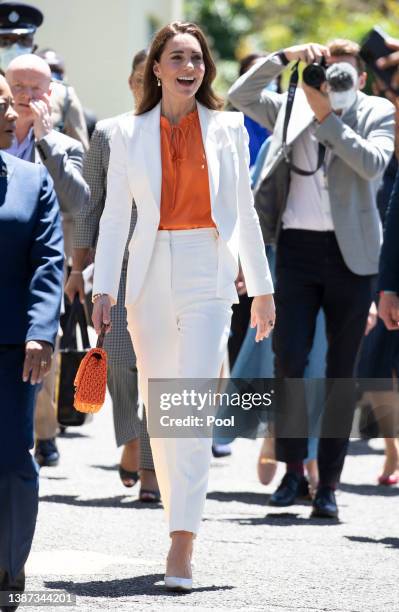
(316, 198)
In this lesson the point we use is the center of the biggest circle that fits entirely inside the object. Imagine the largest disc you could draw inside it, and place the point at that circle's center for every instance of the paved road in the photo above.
(95, 540)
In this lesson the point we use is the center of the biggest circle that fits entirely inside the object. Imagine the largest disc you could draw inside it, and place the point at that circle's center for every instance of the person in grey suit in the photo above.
(36, 141)
(122, 371)
(327, 230)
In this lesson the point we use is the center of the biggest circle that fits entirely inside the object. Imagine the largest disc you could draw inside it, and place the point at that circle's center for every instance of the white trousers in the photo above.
(180, 329)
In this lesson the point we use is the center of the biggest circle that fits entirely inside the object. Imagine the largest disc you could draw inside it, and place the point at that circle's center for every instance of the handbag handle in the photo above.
(76, 315)
(101, 337)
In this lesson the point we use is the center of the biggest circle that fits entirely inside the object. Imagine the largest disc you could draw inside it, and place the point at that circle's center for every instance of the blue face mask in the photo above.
(7, 54)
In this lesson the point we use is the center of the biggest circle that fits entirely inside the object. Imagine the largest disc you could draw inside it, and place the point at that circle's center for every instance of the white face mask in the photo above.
(341, 100)
(7, 54)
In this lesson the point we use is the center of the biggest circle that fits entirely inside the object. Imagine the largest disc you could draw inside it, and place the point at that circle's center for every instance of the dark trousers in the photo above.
(311, 274)
(18, 470)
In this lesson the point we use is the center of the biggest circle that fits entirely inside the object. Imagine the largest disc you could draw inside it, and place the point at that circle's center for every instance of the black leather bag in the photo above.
(70, 357)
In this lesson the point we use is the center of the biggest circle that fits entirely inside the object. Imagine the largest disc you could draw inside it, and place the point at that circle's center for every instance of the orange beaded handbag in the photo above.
(91, 378)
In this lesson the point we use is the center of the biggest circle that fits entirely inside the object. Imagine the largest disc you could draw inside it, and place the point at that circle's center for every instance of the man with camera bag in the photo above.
(316, 199)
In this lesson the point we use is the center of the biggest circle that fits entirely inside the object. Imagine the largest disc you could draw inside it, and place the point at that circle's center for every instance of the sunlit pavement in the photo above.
(95, 540)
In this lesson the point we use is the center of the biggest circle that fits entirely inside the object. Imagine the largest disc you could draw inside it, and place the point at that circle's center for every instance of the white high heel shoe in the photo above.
(174, 583)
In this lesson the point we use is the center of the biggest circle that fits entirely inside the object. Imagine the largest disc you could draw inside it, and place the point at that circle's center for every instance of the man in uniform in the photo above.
(18, 24)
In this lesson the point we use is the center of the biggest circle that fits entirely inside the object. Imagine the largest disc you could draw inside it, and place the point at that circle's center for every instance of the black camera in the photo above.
(314, 75)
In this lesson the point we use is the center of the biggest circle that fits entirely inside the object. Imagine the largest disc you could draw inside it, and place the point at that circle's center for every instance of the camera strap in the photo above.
(293, 84)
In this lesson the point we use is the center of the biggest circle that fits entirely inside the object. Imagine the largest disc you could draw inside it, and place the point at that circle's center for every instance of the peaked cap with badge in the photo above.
(19, 18)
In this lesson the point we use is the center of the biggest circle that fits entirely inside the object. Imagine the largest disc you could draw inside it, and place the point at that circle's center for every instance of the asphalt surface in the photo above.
(96, 541)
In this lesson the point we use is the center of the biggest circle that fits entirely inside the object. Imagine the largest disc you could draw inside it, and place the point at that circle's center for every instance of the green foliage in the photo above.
(225, 22)
(237, 27)
(226, 75)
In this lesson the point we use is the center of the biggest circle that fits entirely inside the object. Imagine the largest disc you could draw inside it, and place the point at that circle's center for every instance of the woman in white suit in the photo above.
(185, 163)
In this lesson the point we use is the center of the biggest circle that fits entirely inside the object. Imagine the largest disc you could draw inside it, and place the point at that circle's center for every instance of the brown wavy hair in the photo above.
(153, 94)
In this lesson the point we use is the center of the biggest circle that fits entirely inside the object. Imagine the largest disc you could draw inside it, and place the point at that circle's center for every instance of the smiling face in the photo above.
(181, 67)
(8, 116)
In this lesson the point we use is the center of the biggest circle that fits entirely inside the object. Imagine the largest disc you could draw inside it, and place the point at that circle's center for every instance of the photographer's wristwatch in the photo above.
(284, 59)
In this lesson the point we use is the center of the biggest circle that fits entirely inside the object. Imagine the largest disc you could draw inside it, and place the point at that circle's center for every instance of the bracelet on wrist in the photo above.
(284, 59)
(76, 272)
(96, 296)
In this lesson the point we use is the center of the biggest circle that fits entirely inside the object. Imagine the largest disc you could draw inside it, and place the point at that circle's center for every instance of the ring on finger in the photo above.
(43, 364)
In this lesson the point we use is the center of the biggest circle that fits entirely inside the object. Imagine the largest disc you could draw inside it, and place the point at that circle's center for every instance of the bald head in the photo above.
(29, 77)
(30, 63)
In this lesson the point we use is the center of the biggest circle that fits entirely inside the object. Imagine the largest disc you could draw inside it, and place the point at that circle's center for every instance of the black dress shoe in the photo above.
(291, 487)
(324, 503)
(46, 453)
(14, 586)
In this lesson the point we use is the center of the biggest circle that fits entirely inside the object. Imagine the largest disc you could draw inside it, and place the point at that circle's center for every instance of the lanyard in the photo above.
(290, 102)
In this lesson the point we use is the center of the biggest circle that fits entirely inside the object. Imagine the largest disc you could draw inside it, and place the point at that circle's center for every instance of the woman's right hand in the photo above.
(102, 313)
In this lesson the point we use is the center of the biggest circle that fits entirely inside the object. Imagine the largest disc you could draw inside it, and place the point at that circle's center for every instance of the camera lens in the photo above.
(314, 75)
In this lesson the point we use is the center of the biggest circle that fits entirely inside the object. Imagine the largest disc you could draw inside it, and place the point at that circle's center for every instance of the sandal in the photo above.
(127, 477)
(146, 496)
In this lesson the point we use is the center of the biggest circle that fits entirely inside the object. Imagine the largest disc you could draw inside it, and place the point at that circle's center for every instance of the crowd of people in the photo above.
(182, 207)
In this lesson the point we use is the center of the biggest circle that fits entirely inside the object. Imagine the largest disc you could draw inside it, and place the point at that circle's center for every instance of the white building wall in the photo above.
(98, 39)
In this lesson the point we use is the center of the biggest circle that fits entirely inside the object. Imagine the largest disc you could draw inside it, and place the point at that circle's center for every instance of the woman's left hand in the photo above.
(263, 315)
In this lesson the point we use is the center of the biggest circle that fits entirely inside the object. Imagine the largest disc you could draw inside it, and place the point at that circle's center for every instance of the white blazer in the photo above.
(135, 172)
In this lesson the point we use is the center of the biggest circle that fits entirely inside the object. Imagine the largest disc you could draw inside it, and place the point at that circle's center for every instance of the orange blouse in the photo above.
(185, 199)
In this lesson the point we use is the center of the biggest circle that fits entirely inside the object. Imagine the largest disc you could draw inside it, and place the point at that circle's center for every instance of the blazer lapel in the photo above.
(209, 138)
(350, 115)
(149, 153)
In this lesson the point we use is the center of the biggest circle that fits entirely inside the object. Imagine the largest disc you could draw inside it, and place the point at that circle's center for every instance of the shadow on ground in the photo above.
(369, 490)
(71, 435)
(101, 502)
(106, 468)
(246, 497)
(136, 585)
(282, 519)
(388, 542)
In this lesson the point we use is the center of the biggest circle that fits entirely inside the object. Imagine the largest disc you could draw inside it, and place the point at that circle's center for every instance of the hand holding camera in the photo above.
(314, 76)
(309, 53)
(328, 85)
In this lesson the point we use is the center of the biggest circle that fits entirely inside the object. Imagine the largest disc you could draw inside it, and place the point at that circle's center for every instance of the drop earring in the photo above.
(159, 82)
